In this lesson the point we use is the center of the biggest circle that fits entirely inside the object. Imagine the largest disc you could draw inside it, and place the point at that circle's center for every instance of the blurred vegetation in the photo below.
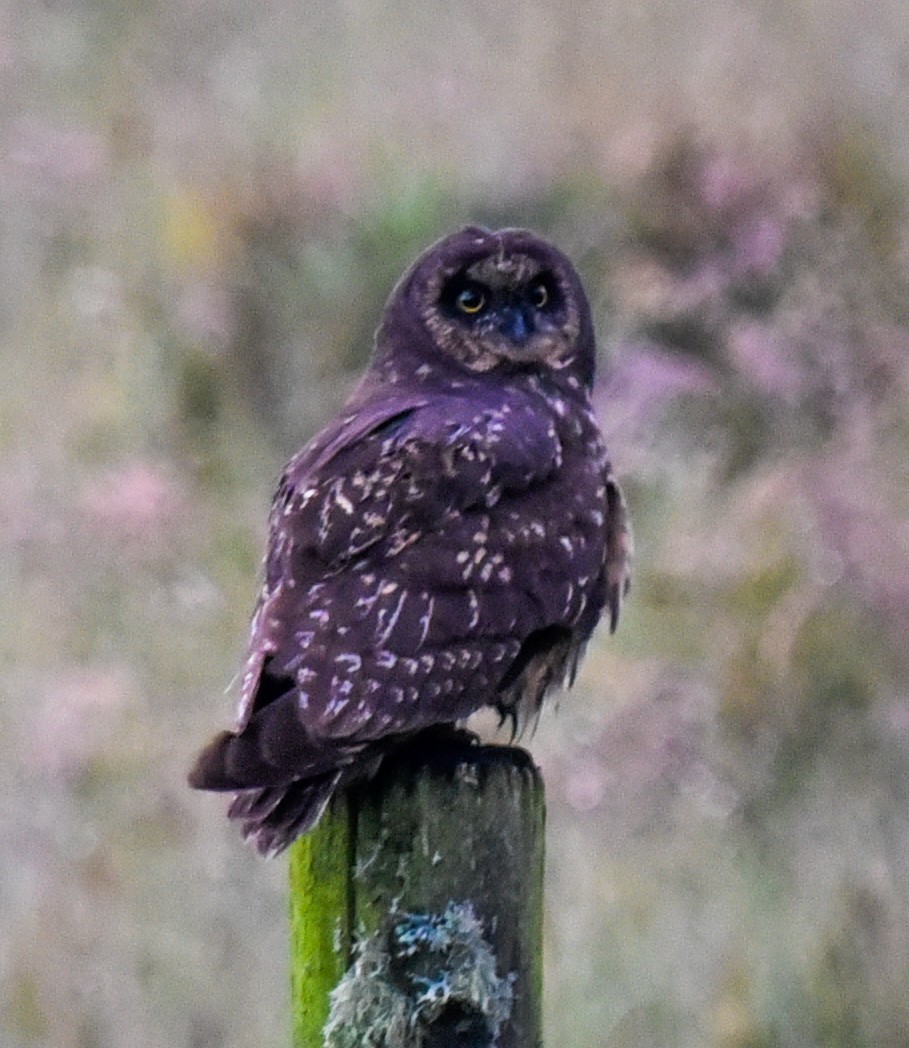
(203, 208)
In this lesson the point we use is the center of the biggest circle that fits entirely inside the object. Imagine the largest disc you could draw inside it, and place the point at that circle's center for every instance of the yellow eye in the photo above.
(539, 296)
(470, 300)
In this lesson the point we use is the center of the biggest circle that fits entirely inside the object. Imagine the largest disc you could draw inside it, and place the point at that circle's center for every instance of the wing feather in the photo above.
(380, 481)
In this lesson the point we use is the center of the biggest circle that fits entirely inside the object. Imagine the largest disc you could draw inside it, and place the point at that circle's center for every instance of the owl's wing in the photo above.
(404, 465)
(381, 477)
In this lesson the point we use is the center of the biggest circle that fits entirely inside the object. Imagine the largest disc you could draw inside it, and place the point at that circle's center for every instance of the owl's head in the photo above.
(496, 300)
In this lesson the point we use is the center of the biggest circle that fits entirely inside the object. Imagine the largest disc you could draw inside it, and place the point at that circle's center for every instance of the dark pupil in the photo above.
(470, 300)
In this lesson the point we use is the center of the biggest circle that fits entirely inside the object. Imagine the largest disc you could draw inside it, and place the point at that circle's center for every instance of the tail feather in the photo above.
(273, 749)
(256, 805)
(272, 813)
(234, 762)
(275, 816)
(277, 802)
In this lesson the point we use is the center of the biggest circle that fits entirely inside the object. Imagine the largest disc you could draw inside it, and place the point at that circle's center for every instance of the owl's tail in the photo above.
(273, 807)
(273, 817)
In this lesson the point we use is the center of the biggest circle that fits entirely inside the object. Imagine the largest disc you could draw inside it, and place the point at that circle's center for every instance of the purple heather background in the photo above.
(203, 204)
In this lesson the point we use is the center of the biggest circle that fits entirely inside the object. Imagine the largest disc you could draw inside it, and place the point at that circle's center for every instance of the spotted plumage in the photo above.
(448, 542)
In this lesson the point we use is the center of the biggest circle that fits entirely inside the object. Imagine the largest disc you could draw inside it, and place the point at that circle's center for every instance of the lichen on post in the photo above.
(444, 899)
(430, 978)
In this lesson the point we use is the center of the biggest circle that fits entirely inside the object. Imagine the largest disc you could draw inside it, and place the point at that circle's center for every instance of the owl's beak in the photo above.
(516, 324)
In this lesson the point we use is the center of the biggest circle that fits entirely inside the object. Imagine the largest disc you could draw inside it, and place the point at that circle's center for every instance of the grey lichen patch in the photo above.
(428, 973)
(367, 1010)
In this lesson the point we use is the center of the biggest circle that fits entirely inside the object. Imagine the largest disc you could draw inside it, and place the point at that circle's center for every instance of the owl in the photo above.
(448, 542)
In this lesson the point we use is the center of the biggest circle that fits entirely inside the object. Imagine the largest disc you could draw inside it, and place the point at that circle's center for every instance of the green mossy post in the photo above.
(452, 833)
(320, 918)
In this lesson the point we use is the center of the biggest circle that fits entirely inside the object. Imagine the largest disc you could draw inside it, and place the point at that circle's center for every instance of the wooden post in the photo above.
(425, 887)
(320, 919)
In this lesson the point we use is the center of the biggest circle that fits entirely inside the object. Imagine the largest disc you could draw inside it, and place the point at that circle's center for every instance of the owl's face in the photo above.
(503, 299)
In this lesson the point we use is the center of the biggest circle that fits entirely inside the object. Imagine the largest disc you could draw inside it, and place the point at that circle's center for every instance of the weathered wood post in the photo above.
(416, 906)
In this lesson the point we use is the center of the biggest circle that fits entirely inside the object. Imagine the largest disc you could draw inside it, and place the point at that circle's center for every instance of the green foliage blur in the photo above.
(203, 205)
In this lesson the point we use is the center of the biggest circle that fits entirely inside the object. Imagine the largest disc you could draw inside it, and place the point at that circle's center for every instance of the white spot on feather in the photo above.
(426, 619)
(474, 609)
(350, 661)
(392, 619)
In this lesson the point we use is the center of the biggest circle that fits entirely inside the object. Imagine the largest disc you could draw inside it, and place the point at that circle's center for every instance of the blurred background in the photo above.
(203, 204)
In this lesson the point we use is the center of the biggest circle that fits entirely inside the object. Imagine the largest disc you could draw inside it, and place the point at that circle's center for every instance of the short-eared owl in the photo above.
(448, 542)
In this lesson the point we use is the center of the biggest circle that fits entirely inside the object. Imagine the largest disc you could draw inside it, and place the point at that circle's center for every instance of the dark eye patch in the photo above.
(462, 297)
(543, 293)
